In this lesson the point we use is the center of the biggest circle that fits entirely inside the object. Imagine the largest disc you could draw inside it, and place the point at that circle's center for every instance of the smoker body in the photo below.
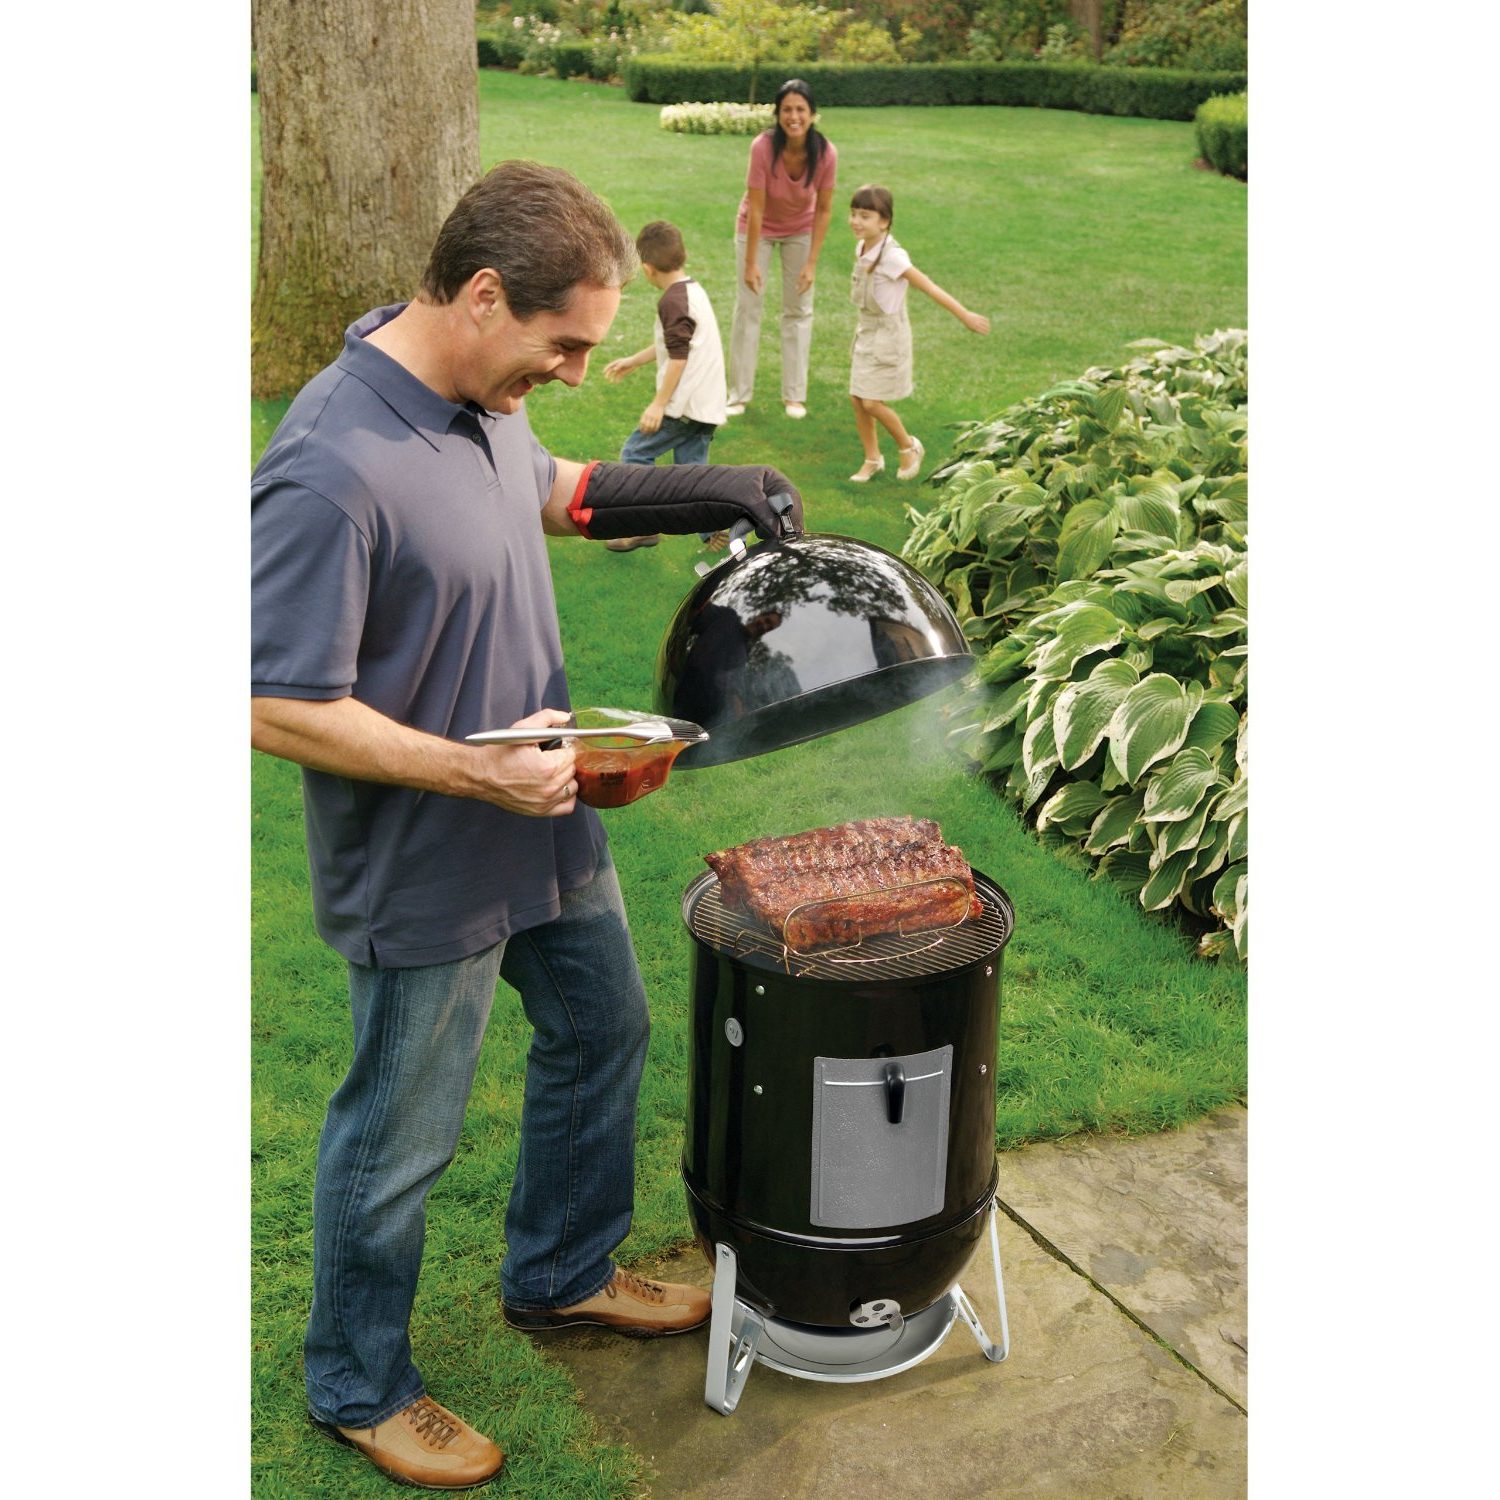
(841, 1131)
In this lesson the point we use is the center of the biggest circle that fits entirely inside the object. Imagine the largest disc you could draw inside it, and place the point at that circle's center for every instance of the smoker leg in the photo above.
(729, 1359)
(992, 1352)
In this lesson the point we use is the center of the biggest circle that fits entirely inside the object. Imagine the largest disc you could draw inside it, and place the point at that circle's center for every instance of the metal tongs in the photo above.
(650, 732)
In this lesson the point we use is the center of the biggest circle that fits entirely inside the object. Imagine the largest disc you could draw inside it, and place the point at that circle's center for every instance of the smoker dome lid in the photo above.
(799, 638)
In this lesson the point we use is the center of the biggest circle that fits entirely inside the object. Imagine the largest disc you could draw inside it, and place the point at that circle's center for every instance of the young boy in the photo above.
(690, 391)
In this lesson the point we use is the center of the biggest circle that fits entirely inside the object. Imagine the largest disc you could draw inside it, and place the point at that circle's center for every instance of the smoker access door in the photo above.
(880, 1138)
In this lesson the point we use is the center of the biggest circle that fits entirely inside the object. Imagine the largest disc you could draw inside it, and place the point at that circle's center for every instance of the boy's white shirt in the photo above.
(702, 394)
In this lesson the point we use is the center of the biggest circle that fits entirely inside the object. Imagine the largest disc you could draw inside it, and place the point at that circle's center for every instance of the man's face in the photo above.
(512, 355)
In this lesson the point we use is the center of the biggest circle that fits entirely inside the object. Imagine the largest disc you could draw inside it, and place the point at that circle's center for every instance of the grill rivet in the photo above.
(988, 970)
(760, 989)
(984, 1067)
(757, 1089)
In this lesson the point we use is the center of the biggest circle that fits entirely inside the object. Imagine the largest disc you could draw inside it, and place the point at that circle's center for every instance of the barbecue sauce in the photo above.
(612, 778)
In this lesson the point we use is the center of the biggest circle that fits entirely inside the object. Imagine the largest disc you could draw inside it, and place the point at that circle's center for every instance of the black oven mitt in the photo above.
(637, 499)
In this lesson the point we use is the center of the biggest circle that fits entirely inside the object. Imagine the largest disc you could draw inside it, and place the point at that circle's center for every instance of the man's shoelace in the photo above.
(647, 1291)
(430, 1423)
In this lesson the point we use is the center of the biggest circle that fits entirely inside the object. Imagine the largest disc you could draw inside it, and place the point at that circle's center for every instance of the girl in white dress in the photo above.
(881, 357)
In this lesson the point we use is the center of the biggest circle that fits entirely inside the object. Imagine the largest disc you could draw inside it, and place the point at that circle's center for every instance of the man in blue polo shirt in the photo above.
(402, 601)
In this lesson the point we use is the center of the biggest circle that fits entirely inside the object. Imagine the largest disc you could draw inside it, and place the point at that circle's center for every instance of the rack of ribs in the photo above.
(856, 880)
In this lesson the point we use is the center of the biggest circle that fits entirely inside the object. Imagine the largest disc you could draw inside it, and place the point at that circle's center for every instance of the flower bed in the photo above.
(717, 118)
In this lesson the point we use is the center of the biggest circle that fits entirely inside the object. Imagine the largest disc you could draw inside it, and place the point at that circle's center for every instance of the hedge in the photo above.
(1152, 93)
(1224, 134)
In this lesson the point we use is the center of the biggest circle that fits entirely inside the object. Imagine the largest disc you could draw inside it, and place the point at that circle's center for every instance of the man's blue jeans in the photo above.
(393, 1126)
(686, 440)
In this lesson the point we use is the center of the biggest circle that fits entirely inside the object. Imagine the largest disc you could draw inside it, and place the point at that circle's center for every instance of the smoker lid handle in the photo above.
(895, 1092)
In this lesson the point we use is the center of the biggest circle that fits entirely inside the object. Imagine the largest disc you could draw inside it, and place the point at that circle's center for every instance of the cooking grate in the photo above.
(919, 955)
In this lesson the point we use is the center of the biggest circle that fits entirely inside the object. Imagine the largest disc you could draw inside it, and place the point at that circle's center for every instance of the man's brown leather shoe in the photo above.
(425, 1445)
(629, 1304)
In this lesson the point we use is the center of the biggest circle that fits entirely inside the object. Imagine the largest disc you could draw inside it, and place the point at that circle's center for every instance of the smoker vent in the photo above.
(888, 956)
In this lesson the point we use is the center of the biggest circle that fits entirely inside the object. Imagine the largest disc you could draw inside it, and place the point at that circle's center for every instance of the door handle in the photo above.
(895, 1092)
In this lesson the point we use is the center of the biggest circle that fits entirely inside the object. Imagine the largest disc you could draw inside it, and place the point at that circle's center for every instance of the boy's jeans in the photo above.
(685, 439)
(393, 1126)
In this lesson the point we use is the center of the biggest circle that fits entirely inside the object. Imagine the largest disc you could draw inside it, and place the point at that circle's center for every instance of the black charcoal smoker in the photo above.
(840, 1153)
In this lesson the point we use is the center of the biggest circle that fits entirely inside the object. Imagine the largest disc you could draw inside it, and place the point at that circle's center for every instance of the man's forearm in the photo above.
(348, 738)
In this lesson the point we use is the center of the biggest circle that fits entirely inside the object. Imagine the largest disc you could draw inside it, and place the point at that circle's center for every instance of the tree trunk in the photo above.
(369, 117)
(1086, 13)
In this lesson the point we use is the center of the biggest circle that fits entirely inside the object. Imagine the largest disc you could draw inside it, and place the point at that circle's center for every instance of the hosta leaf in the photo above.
(1135, 608)
(1163, 409)
(1039, 749)
(1162, 625)
(1108, 405)
(1180, 590)
(1184, 833)
(1211, 850)
(1223, 900)
(1242, 915)
(1114, 823)
(1162, 888)
(1082, 629)
(998, 534)
(1002, 662)
(1235, 800)
(1175, 789)
(1239, 836)
(1035, 784)
(1072, 808)
(1212, 725)
(1004, 752)
(1006, 705)
(1083, 710)
(1238, 580)
(1229, 622)
(1039, 699)
(1149, 725)
(1126, 871)
(1153, 512)
(1087, 535)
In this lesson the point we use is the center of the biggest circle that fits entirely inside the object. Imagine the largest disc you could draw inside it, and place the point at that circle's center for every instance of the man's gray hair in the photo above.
(540, 228)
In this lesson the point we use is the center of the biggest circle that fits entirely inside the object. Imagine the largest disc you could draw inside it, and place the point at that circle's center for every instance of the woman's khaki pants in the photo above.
(796, 319)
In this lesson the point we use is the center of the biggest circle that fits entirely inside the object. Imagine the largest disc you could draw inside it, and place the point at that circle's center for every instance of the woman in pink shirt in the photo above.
(788, 203)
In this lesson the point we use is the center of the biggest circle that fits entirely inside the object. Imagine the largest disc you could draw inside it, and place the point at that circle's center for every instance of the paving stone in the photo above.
(1159, 1222)
(1089, 1405)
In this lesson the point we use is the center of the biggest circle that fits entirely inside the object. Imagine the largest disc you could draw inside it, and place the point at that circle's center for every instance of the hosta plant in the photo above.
(1093, 542)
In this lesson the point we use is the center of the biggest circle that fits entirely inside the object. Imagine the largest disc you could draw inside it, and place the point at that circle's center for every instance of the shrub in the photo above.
(1203, 34)
(572, 58)
(502, 46)
(565, 37)
(1223, 125)
(716, 119)
(1154, 93)
(1093, 542)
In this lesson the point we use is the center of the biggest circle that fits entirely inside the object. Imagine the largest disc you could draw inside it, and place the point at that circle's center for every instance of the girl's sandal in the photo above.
(867, 471)
(911, 460)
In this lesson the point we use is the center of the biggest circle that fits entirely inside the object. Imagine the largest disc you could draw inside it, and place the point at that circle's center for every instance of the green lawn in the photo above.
(1076, 234)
